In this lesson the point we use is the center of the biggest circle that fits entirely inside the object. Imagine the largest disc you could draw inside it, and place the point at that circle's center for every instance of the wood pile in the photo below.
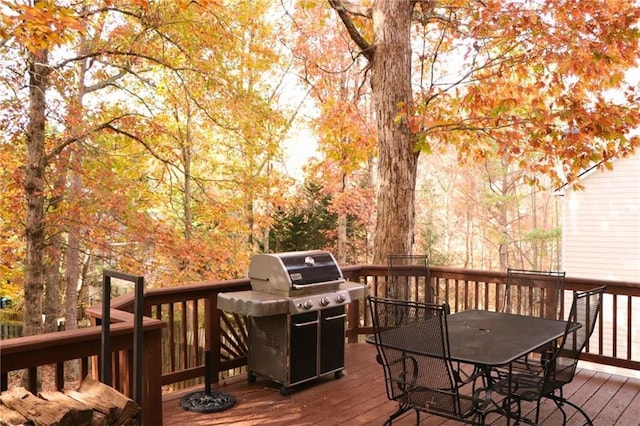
(92, 404)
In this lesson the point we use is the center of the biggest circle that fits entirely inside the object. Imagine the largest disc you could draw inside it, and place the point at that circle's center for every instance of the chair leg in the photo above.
(511, 406)
(559, 401)
(479, 419)
(402, 408)
(515, 413)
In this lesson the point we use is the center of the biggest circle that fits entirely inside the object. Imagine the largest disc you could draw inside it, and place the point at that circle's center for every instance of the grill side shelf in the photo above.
(252, 303)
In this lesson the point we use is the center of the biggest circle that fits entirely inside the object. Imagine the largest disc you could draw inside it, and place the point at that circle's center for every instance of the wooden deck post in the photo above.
(152, 380)
(213, 327)
(354, 321)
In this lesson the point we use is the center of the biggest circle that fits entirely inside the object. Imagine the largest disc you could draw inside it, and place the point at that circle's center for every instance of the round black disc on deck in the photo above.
(201, 402)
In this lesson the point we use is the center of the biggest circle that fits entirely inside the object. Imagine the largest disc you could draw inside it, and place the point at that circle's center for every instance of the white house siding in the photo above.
(601, 225)
(601, 238)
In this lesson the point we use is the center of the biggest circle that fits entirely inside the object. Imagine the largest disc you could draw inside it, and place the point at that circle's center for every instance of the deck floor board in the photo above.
(359, 398)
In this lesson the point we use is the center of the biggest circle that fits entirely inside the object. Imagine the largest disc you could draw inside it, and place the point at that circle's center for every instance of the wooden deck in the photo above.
(359, 398)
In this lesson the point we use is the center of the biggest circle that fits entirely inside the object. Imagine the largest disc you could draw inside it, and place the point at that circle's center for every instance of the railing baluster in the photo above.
(33, 379)
(614, 331)
(630, 327)
(84, 367)
(183, 335)
(60, 375)
(172, 340)
(196, 334)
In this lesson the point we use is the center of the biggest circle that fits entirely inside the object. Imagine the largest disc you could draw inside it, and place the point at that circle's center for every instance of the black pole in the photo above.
(138, 345)
(207, 401)
(138, 335)
(207, 373)
(105, 364)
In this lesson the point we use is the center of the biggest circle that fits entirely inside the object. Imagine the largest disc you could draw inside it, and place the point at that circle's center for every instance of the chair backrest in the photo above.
(585, 308)
(407, 275)
(413, 347)
(534, 293)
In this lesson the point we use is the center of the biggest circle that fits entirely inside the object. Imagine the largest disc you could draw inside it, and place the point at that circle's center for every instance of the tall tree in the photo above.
(344, 124)
(34, 191)
(479, 65)
(389, 56)
(305, 225)
(97, 74)
(32, 30)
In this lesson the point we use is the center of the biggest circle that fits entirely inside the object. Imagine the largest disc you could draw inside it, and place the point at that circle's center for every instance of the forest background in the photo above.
(169, 129)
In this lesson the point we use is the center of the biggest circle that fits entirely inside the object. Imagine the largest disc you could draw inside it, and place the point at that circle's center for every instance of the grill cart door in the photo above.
(332, 338)
(303, 356)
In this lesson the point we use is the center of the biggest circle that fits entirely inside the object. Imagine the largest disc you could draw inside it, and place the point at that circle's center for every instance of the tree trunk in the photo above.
(397, 161)
(54, 252)
(34, 193)
(51, 304)
(342, 226)
(76, 158)
(503, 207)
(535, 242)
(73, 257)
(187, 212)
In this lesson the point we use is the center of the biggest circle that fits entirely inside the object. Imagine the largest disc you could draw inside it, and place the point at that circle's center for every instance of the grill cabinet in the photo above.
(297, 311)
(292, 349)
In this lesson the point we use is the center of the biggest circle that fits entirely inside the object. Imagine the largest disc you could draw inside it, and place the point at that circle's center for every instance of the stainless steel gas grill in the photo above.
(296, 309)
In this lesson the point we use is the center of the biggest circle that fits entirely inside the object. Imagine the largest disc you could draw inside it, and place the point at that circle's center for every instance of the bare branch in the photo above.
(109, 81)
(340, 7)
(108, 125)
(141, 141)
(352, 8)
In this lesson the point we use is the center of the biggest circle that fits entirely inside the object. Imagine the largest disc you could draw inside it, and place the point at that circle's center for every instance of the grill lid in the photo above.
(291, 273)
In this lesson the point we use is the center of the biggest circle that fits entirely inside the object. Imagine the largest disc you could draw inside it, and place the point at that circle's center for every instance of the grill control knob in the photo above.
(307, 304)
(340, 298)
(325, 301)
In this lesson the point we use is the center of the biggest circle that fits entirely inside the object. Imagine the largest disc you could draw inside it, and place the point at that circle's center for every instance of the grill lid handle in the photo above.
(298, 286)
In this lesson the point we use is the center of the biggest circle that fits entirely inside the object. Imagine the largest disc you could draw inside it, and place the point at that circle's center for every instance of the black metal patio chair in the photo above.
(412, 345)
(538, 294)
(408, 277)
(560, 368)
(534, 293)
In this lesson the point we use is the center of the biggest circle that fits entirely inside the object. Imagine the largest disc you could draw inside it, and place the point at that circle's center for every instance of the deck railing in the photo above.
(615, 342)
(182, 324)
(83, 346)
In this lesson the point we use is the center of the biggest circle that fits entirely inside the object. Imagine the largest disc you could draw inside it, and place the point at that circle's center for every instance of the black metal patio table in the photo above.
(494, 339)
(485, 339)
(482, 338)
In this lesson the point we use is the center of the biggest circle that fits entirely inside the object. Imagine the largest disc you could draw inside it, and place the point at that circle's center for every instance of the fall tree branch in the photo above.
(352, 8)
(108, 125)
(344, 8)
(107, 82)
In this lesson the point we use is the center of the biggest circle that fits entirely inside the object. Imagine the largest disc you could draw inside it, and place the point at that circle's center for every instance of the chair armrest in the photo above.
(410, 364)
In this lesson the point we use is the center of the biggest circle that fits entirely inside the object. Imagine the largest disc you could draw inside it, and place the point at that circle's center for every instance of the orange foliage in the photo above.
(536, 86)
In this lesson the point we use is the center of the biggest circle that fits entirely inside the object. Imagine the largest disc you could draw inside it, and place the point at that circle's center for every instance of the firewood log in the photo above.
(43, 412)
